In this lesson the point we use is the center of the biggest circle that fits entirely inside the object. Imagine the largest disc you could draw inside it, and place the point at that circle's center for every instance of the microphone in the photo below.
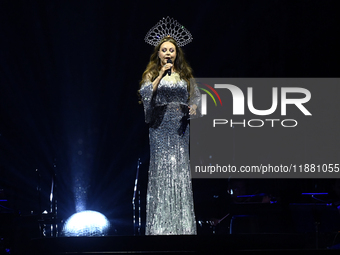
(169, 70)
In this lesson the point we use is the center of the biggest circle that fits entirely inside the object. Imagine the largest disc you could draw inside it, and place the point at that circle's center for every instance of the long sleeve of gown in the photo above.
(146, 93)
(195, 98)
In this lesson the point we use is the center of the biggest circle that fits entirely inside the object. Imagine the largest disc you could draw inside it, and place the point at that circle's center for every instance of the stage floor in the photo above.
(228, 244)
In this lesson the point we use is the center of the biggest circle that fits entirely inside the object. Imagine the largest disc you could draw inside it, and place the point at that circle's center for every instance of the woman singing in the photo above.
(165, 88)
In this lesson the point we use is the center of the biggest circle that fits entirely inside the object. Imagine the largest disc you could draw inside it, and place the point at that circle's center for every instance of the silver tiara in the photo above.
(168, 27)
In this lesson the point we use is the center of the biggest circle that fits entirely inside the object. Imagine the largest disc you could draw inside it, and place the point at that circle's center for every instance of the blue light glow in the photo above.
(86, 223)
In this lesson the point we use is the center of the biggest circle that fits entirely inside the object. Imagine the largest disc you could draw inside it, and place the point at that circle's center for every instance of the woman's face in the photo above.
(167, 51)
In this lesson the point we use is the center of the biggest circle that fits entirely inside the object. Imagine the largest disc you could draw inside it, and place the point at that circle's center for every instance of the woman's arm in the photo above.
(195, 99)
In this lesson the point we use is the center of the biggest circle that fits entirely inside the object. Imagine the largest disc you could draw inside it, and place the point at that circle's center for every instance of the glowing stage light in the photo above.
(86, 223)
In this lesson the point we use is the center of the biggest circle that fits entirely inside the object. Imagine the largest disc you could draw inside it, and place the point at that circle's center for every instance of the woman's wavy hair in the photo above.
(154, 65)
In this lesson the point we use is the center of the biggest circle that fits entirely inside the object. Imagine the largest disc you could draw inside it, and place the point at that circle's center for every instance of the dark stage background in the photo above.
(69, 75)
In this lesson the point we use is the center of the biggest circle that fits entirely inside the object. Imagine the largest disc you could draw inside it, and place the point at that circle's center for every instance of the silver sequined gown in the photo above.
(169, 206)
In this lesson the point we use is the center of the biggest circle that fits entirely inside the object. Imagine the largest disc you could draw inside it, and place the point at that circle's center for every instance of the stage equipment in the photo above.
(136, 226)
(48, 220)
(168, 27)
(319, 217)
(86, 223)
